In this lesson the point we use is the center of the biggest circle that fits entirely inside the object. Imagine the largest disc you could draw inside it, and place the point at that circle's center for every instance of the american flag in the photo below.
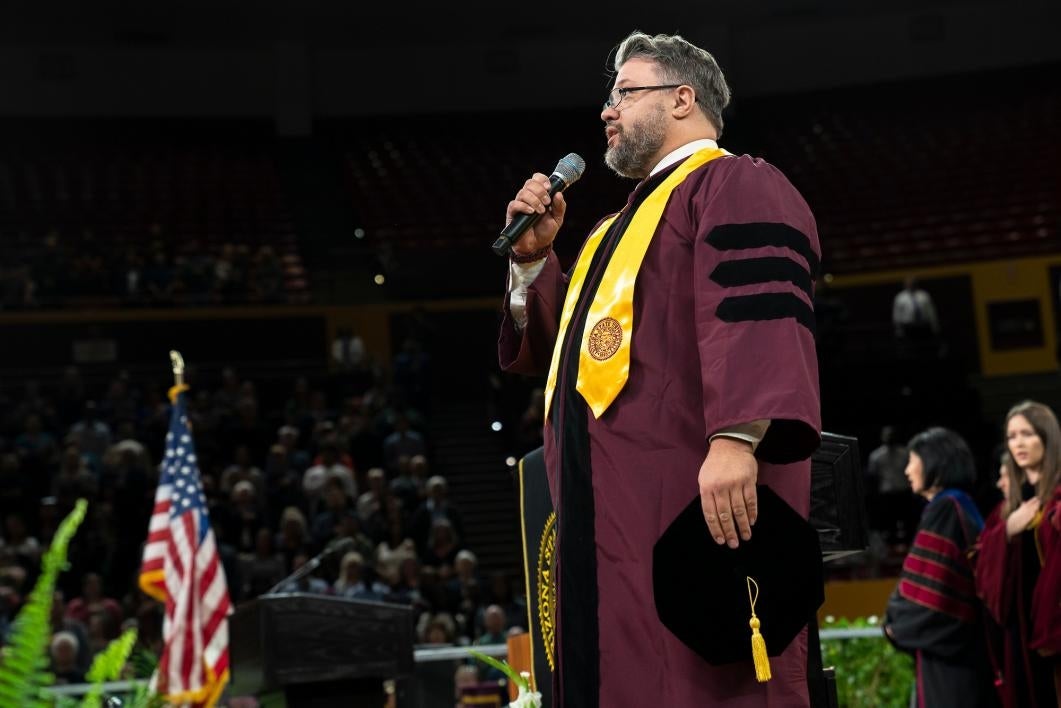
(181, 568)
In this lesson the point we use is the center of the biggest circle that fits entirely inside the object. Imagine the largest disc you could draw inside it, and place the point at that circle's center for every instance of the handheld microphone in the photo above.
(567, 172)
(339, 545)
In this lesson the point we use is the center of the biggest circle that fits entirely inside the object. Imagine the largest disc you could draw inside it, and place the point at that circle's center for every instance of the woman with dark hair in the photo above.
(1018, 566)
(933, 612)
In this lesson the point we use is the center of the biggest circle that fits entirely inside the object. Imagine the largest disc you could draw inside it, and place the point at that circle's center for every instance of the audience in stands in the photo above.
(281, 483)
(68, 271)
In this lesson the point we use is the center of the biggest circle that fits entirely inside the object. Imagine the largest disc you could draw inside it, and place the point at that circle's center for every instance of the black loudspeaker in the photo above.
(837, 497)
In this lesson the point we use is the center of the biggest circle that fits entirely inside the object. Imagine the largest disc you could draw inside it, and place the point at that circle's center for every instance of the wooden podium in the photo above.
(313, 651)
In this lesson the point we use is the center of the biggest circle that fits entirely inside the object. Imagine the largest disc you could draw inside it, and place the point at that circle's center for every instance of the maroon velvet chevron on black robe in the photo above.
(934, 613)
(723, 335)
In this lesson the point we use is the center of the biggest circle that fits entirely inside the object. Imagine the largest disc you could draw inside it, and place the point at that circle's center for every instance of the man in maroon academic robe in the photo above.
(721, 394)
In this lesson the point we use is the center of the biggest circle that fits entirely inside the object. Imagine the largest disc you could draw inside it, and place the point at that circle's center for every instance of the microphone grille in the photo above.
(570, 168)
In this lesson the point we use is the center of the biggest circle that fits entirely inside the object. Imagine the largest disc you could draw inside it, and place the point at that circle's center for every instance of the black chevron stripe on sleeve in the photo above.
(732, 237)
(751, 271)
(766, 306)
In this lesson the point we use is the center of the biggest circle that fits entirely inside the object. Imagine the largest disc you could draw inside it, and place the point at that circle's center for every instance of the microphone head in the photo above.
(570, 168)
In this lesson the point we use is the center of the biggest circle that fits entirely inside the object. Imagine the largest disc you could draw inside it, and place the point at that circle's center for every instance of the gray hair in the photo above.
(679, 61)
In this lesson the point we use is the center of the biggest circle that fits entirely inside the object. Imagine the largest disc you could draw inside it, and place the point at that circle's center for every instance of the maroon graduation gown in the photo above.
(1046, 598)
(723, 335)
(1021, 589)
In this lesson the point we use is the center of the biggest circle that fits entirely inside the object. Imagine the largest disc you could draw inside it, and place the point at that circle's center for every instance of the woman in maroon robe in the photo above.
(1018, 566)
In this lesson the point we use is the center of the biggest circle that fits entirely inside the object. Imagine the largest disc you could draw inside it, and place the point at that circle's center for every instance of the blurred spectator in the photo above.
(437, 629)
(370, 504)
(890, 500)
(435, 508)
(914, 313)
(393, 551)
(502, 593)
(335, 505)
(442, 545)
(408, 483)
(61, 623)
(92, 602)
(262, 569)
(297, 458)
(408, 588)
(348, 350)
(404, 441)
(495, 627)
(74, 480)
(64, 650)
(283, 482)
(329, 467)
(465, 572)
(351, 583)
(465, 677)
(349, 526)
(243, 470)
(18, 540)
(241, 520)
(293, 537)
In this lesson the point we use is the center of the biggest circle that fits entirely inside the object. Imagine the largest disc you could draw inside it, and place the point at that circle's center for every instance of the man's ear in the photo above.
(684, 102)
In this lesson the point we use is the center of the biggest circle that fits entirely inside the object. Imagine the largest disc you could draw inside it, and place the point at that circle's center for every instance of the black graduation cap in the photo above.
(704, 591)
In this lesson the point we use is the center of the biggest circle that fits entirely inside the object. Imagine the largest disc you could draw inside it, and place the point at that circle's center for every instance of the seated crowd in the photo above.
(281, 483)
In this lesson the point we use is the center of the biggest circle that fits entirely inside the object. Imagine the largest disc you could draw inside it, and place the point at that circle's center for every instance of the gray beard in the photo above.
(637, 145)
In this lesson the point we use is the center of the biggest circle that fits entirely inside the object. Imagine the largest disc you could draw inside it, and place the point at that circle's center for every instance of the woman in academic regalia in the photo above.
(1018, 564)
(933, 612)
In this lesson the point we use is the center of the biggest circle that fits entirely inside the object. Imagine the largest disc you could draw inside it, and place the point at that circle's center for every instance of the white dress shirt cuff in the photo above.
(752, 432)
(520, 277)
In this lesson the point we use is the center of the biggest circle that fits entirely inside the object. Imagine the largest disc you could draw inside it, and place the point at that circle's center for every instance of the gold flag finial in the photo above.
(177, 361)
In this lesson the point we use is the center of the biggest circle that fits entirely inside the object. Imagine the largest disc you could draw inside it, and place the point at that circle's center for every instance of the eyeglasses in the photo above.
(618, 95)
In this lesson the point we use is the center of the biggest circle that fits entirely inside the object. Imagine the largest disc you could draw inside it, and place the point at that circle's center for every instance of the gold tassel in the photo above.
(759, 655)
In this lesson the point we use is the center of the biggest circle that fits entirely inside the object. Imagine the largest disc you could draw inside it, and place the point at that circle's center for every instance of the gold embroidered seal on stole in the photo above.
(605, 338)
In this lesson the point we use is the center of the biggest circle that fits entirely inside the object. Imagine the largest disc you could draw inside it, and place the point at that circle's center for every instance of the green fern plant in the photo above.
(24, 669)
(108, 666)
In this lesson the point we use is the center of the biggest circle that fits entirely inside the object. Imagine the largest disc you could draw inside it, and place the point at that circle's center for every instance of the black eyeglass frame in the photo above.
(623, 91)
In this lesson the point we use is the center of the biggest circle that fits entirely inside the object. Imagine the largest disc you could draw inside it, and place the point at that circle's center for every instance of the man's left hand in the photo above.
(727, 490)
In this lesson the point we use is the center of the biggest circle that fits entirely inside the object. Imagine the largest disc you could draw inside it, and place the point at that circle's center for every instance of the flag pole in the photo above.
(177, 361)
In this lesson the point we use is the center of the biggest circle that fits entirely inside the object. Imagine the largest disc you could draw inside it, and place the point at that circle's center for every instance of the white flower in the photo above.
(526, 699)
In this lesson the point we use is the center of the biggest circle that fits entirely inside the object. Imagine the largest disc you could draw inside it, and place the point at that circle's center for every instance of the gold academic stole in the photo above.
(604, 354)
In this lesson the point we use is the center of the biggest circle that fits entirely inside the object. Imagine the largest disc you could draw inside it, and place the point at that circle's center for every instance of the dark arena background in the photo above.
(300, 198)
